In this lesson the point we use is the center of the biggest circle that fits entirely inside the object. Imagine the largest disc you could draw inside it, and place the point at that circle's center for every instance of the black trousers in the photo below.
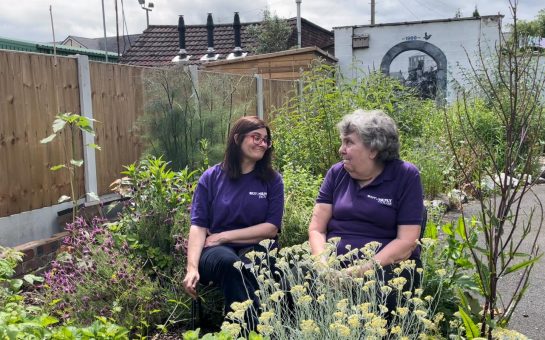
(216, 267)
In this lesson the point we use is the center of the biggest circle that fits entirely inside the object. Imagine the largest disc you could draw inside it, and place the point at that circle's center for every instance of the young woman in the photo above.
(237, 204)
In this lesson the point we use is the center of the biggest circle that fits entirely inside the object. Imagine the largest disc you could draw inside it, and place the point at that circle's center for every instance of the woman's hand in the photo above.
(357, 271)
(214, 240)
(190, 282)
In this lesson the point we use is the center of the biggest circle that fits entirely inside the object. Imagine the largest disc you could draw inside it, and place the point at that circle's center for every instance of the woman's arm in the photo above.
(253, 234)
(318, 227)
(396, 251)
(401, 247)
(195, 244)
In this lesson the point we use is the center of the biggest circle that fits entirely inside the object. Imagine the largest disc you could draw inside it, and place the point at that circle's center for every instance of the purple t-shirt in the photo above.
(372, 213)
(222, 204)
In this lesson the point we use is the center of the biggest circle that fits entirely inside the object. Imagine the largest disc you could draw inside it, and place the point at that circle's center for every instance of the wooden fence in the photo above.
(34, 88)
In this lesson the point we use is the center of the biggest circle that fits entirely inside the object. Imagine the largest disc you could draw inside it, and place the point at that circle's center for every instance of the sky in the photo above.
(30, 19)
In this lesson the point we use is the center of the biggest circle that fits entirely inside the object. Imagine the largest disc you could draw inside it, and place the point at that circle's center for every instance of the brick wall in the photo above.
(39, 254)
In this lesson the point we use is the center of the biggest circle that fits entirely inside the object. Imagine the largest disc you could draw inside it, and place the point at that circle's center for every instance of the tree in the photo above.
(271, 35)
(532, 28)
(476, 13)
(511, 83)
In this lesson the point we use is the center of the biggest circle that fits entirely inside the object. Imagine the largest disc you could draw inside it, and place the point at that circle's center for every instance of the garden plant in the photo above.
(122, 278)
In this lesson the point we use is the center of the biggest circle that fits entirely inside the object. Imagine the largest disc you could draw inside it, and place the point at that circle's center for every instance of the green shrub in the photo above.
(181, 111)
(19, 320)
(155, 224)
(306, 125)
(300, 192)
(157, 215)
(95, 277)
(435, 164)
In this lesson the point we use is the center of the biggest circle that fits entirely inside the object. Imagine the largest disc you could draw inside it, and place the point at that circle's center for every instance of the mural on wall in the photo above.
(417, 70)
(425, 65)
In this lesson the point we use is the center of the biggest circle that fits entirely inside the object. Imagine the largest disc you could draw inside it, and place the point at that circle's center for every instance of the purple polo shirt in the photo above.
(372, 213)
(222, 204)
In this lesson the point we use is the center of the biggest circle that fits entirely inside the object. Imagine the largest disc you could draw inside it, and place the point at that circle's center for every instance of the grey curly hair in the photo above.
(376, 130)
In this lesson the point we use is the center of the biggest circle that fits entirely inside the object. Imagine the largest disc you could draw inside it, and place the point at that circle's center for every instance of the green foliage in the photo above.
(447, 247)
(307, 127)
(21, 321)
(499, 118)
(181, 111)
(271, 35)
(158, 214)
(533, 28)
(301, 189)
(95, 277)
(223, 335)
(435, 164)
(155, 224)
(475, 126)
(75, 124)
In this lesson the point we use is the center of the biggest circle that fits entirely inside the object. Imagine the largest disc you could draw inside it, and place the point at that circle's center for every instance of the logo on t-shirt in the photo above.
(383, 201)
(261, 194)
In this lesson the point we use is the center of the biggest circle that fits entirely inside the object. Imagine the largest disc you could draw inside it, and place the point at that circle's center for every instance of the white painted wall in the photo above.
(454, 37)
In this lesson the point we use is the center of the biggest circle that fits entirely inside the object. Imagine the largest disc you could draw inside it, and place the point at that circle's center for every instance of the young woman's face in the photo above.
(255, 144)
(358, 159)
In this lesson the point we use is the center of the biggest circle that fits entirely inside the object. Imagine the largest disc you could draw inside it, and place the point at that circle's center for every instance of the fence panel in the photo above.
(277, 93)
(118, 101)
(33, 89)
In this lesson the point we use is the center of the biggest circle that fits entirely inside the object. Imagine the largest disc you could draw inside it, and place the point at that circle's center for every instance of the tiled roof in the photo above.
(158, 45)
(125, 42)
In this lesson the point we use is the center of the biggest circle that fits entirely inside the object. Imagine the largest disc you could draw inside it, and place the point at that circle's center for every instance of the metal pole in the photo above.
(259, 95)
(104, 26)
(298, 2)
(372, 12)
(147, 17)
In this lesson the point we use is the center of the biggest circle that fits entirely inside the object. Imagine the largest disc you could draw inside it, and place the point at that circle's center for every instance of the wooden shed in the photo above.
(285, 65)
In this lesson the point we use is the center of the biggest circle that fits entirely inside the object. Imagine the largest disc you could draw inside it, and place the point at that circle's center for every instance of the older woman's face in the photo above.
(358, 159)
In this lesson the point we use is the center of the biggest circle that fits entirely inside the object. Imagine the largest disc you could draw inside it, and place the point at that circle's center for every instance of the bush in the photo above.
(435, 165)
(301, 189)
(94, 277)
(21, 321)
(155, 224)
(306, 125)
(155, 221)
(181, 111)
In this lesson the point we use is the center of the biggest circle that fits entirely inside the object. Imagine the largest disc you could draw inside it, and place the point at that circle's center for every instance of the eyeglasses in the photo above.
(257, 139)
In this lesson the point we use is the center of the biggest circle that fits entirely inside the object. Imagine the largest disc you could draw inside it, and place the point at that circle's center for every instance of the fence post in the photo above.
(86, 107)
(259, 95)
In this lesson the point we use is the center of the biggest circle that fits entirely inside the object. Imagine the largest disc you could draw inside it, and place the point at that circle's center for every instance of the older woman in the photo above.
(371, 195)
(237, 204)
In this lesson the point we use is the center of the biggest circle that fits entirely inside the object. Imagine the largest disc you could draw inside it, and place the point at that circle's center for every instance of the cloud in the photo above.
(29, 19)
